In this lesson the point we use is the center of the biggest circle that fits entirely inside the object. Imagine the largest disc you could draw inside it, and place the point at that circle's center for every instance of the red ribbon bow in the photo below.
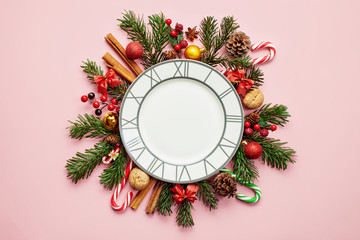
(180, 195)
(237, 76)
(102, 81)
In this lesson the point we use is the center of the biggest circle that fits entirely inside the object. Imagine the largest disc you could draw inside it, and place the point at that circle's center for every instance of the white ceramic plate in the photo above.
(181, 121)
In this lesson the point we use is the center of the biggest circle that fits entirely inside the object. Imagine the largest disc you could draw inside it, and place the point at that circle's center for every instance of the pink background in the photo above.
(314, 74)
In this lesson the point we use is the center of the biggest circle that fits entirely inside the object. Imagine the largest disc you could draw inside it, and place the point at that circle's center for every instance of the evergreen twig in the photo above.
(111, 177)
(255, 74)
(92, 69)
(153, 41)
(81, 166)
(166, 200)
(276, 114)
(207, 195)
(88, 126)
(245, 168)
(183, 211)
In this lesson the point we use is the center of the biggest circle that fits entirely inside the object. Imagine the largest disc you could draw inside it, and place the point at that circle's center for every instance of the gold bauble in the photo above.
(193, 52)
(111, 121)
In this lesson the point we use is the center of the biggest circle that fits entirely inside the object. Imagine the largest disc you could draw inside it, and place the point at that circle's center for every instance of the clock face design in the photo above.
(181, 121)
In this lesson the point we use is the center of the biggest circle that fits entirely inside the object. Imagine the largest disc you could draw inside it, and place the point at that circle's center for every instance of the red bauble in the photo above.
(253, 150)
(168, 21)
(248, 131)
(273, 127)
(84, 98)
(96, 104)
(177, 47)
(183, 43)
(114, 101)
(179, 27)
(111, 107)
(256, 127)
(264, 132)
(173, 33)
(117, 109)
(103, 98)
(247, 124)
(134, 50)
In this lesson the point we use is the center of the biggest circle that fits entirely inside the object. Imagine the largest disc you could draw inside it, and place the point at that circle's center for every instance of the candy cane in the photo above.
(266, 58)
(118, 189)
(249, 185)
(112, 155)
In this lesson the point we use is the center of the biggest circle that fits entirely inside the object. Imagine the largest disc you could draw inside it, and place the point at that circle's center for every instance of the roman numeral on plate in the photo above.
(234, 118)
(154, 77)
(225, 93)
(132, 143)
(226, 144)
(130, 124)
(137, 99)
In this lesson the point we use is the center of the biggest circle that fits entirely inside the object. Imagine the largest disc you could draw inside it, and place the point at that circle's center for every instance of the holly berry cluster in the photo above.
(111, 105)
(264, 132)
(176, 37)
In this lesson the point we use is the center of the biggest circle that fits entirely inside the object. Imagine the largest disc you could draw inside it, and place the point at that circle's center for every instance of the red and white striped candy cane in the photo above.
(266, 58)
(118, 189)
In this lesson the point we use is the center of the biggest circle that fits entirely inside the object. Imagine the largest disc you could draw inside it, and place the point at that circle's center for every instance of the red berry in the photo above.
(273, 127)
(103, 98)
(173, 33)
(96, 104)
(114, 101)
(177, 47)
(247, 124)
(117, 109)
(248, 131)
(183, 43)
(256, 126)
(111, 107)
(168, 21)
(84, 98)
(264, 132)
(179, 27)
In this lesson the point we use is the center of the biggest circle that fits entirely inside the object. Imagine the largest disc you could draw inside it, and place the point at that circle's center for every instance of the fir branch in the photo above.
(226, 62)
(92, 69)
(166, 200)
(111, 177)
(153, 41)
(208, 31)
(184, 217)
(81, 166)
(274, 154)
(276, 114)
(206, 194)
(119, 91)
(244, 168)
(88, 126)
(255, 74)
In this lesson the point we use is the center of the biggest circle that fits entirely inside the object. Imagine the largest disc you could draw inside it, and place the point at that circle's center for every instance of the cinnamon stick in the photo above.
(117, 46)
(154, 198)
(141, 194)
(118, 67)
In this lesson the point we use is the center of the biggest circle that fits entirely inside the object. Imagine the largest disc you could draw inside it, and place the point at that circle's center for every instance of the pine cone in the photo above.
(225, 185)
(253, 118)
(238, 44)
(170, 55)
(112, 139)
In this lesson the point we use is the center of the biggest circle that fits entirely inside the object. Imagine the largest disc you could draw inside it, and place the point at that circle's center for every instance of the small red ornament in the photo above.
(253, 150)
(183, 44)
(84, 98)
(177, 47)
(103, 98)
(114, 101)
(273, 127)
(173, 33)
(247, 124)
(96, 104)
(264, 132)
(256, 127)
(117, 109)
(111, 107)
(179, 27)
(134, 50)
(248, 131)
(168, 21)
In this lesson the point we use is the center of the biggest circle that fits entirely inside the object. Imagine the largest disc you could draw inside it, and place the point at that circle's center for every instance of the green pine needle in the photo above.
(184, 217)
(92, 69)
(276, 114)
(206, 194)
(255, 74)
(88, 126)
(81, 166)
(166, 200)
(244, 168)
(111, 177)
